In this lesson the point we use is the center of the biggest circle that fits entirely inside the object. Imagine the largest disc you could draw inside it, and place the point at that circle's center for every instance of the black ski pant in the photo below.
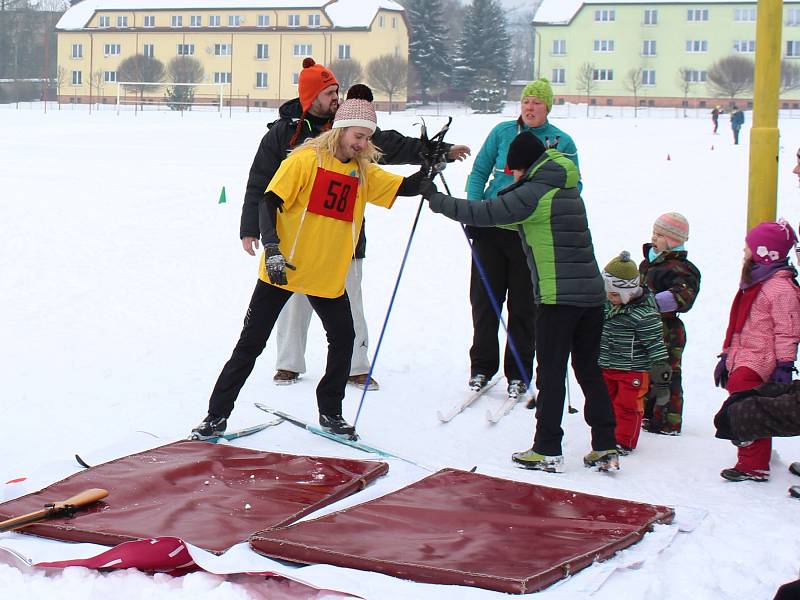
(265, 306)
(561, 330)
(501, 255)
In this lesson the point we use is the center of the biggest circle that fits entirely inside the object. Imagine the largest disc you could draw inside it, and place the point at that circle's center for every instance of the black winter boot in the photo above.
(336, 424)
(211, 427)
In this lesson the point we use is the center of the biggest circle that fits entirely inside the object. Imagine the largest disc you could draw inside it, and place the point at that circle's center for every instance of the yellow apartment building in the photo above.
(253, 48)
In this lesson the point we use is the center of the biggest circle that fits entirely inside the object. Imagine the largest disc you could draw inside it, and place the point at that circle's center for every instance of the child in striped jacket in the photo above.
(632, 347)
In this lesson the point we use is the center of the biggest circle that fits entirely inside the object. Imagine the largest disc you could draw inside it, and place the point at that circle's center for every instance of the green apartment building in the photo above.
(673, 43)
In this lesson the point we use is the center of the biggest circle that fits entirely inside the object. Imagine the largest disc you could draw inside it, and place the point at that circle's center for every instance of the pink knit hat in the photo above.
(674, 227)
(770, 241)
(356, 113)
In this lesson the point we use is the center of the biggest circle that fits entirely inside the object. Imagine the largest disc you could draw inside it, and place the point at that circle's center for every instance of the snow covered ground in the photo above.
(124, 286)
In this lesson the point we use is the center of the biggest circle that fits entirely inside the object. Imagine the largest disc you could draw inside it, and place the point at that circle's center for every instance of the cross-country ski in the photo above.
(469, 400)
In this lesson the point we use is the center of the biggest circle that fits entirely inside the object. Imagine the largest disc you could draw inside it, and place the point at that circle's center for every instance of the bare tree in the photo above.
(141, 68)
(96, 82)
(731, 76)
(685, 82)
(790, 76)
(586, 81)
(347, 71)
(388, 74)
(61, 79)
(633, 83)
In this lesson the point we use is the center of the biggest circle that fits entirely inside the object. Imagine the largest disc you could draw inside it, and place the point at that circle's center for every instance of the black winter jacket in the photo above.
(274, 147)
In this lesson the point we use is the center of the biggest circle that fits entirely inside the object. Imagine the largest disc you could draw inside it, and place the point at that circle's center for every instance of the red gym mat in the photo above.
(210, 495)
(462, 528)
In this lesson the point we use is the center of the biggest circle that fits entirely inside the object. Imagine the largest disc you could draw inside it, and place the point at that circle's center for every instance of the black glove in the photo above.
(721, 371)
(276, 264)
(427, 188)
(660, 377)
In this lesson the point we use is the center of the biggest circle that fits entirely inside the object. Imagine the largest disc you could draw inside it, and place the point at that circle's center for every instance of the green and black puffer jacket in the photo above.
(548, 212)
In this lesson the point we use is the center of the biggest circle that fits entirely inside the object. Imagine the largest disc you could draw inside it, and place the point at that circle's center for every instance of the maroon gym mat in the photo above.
(462, 528)
(210, 495)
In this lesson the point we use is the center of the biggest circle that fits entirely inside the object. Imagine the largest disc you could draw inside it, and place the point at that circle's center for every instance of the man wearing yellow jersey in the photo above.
(321, 190)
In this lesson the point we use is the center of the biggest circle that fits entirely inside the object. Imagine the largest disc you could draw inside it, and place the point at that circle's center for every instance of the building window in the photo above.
(222, 77)
(744, 46)
(149, 21)
(344, 51)
(604, 45)
(397, 51)
(559, 47)
(110, 76)
(694, 46)
(649, 48)
(122, 21)
(313, 20)
(185, 49)
(295, 78)
(381, 21)
(302, 50)
(262, 51)
(261, 80)
(603, 74)
(222, 49)
(111, 50)
(792, 49)
(696, 76)
(177, 21)
(394, 22)
(105, 22)
(148, 50)
(234, 20)
(77, 50)
(294, 20)
(196, 21)
(697, 14)
(650, 17)
(559, 76)
(648, 76)
(213, 20)
(76, 77)
(793, 16)
(263, 21)
(605, 15)
(746, 15)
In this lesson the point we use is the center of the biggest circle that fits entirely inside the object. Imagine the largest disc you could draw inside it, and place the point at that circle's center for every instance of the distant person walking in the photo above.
(737, 120)
(715, 118)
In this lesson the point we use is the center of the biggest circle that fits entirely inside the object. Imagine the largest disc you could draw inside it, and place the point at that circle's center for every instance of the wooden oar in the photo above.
(53, 509)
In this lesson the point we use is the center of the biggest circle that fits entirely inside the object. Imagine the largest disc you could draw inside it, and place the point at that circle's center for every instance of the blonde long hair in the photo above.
(328, 142)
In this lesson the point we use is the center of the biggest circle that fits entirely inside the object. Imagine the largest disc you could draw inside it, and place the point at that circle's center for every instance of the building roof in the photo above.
(342, 13)
(561, 12)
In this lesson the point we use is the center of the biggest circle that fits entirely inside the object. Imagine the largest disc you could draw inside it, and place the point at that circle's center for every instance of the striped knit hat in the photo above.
(621, 276)
(674, 227)
(356, 113)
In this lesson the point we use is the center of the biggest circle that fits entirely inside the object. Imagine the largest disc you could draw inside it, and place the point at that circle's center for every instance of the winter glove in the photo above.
(276, 264)
(427, 188)
(783, 372)
(721, 371)
(666, 301)
(660, 377)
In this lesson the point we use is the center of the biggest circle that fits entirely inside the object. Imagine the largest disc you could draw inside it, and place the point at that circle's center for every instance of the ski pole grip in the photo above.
(85, 497)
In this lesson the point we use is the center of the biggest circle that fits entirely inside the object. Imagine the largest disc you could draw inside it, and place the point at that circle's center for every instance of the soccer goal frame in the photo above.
(122, 98)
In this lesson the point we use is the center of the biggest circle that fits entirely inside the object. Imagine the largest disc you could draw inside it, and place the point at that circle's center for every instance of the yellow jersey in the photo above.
(323, 210)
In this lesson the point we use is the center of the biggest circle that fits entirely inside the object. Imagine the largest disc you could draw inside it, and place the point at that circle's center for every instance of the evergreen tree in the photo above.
(487, 94)
(484, 46)
(428, 50)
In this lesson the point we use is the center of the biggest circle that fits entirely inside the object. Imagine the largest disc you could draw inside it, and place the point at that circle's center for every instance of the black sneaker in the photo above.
(336, 424)
(477, 382)
(211, 427)
(737, 475)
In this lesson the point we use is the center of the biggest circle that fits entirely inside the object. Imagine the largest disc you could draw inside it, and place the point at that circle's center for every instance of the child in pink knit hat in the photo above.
(674, 282)
(763, 332)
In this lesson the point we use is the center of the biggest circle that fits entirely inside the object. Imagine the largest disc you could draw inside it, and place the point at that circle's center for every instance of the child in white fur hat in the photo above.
(632, 345)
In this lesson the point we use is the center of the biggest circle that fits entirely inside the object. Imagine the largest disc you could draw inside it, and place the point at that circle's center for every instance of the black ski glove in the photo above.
(427, 188)
(661, 377)
(276, 264)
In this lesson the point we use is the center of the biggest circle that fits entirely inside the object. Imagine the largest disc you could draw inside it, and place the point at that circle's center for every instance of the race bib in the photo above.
(333, 195)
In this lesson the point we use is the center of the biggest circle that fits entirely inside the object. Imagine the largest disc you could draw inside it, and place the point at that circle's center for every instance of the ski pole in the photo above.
(439, 138)
(570, 408)
(495, 304)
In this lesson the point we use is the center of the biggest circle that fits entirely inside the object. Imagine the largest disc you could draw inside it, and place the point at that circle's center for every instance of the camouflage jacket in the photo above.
(674, 272)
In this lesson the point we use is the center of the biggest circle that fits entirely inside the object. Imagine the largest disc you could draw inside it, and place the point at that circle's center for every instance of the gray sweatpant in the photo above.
(295, 319)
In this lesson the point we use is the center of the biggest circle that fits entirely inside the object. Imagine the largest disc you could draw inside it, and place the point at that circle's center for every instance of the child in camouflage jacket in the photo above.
(631, 346)
(675, 282)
